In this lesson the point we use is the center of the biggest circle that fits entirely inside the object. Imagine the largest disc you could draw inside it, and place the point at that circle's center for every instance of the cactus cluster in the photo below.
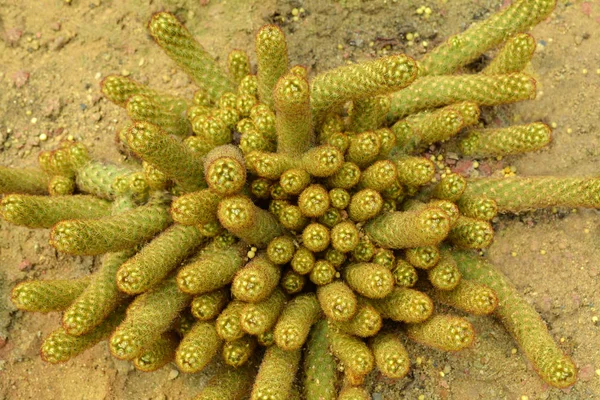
(286, 224)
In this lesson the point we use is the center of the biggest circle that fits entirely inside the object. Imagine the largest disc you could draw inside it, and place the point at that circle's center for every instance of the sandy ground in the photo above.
(53, 56)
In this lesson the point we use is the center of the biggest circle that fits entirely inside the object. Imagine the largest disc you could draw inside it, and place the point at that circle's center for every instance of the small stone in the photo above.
(20, 78)
(25, 265)
(43, 137)
(52, 108)
(12, 36)
(173, 374)
(58, 43)
(55, 26)
(578, 40)
(586, 373)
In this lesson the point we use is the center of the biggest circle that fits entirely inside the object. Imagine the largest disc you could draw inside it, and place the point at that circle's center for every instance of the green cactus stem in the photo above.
(142, 108)
(414, 171)
(240, 216)
(506, 141)
(61, 185)
(465, 47)
(369, 113)
(168, 154)
(276, 374)
(367, 321)
(513, 57)
(418, 131)
(469, 296)
(379, 176)
(46, 211)
(522, 322)
(470, 233)
(197, 347)
(371, 280)
(319, 366)
(228, 323)
(443, 332)
(515, 194)
(256, 281)
(281, 250)
(353, 353)
(229, 384)
(450, 187)
(292, 103)
(359, 81)
(148, 316)
(314, 201)
(158, 258)
(292, 282)
(182, 48)
(158, 354)
(209, 305)
(237, 352)
(23, 181)
(337, 301)
(60, 347)
(435, 91)
(445, 275)
(272, 57)
(397, 230)
(391, 358)
(478, 207)
(295, 321)
(47, 295)
(404, 305)
(225, 170)
(404, 273)
(98, 300)
(323, 273)
(425, 257)
(213, 268)
(109, 234)
(259, 318)
(238, 65)
(195, 208)
(119, 89)
(303, 261)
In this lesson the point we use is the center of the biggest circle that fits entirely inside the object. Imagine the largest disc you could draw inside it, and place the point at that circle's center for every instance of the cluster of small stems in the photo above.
(257, 215)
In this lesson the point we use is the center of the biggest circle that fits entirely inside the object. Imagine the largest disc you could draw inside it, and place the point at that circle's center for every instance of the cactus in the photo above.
(305, 229)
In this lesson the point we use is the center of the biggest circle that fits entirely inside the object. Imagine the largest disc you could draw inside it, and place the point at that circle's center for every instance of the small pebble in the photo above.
(43, 137)
(173, 374)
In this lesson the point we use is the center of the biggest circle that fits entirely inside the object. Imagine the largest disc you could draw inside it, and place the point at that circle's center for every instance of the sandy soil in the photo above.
(53, 55)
